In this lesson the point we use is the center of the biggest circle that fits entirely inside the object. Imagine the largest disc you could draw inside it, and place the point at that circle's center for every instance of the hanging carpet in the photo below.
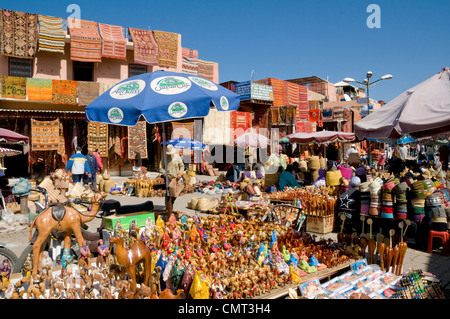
(189, 53)
(18, 34)
(189, 66)
(206, 69)
(98, 137)
(87, 92)
(168, 48)
(64, 92)
(14, 87)
(44, 135)
(85, 41)
(137, 140)
(146, 49)
(39, 89)
(114, 42)
(51, 34)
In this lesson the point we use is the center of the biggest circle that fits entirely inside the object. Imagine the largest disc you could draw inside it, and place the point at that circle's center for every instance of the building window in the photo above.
(21, 67)
(136, 69)
(83, 71)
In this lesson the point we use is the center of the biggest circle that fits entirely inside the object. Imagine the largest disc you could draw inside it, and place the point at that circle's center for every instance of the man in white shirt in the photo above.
(352, 149)
(175, 163)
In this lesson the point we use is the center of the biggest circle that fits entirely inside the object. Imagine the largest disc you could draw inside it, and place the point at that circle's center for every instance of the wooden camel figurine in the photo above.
(59, 218)
(128, 258)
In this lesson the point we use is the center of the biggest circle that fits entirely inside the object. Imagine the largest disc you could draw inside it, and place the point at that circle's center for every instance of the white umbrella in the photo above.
(252, 139)
(423, 110)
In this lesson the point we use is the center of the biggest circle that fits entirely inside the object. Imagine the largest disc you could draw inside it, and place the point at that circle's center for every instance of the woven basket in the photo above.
(303, 166)
(332, 178)
(203, 204)
(314, 163)
(323, 162)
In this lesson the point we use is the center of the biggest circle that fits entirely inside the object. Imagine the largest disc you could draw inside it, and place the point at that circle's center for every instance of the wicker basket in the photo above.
(323, 162)
(303, 166)
(314, 163)
(332, 178)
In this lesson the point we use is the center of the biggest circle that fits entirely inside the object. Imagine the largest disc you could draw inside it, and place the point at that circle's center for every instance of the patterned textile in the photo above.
(105, 87)
(39, 89)
(64, 92)
(85, 41)
(206, 70)
(278, 92)
(87, 92)
(114, 42)
(189, 66)
(18, 34)
(98, 137)
(137, 140)
(62, 144)
(293, 94)
(327, 113)
(14, 87)
(189, 53)
(51, 34)
(314, 115)
(146, 50)
(44, 135)
(168, 48)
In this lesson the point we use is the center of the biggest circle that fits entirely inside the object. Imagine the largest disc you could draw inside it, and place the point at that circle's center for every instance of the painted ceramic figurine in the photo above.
(85, 260)
(66, 261)
(103, 253)
(47, 262)
(118, 229)
(5, 272)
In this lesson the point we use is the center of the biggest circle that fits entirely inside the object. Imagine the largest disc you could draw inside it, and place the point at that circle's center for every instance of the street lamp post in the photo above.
(367, 83)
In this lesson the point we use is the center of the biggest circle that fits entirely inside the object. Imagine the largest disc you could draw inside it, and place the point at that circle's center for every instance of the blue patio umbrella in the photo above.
(185, 143)
(160, 97)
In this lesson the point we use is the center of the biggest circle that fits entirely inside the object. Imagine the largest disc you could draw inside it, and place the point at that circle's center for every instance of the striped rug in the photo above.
(85, 41)
(189, 66)
(206, 69)
(146, 49)
(39, 89)
(168, 48)
(114, 42)
(51, 34)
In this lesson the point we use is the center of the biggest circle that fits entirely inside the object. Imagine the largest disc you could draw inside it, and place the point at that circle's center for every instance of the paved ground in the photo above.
(434, 263)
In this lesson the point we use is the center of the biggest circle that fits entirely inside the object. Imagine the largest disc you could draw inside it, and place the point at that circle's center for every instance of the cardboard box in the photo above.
(140, 217)
(321, 225)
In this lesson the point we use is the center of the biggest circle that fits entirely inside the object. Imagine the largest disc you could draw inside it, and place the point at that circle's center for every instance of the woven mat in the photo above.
(168, 48)
(18, 34)
(85, 41)
(137, 140)
(51, 34)
(189, 53)
(278, 92)
(14, 87)
(64, 92)
(98, 137)
(146, 49)
(189, 66)
(44, 135)
(206, 69)
(114, 42)
(293, 94)
(87, 92)
(39, 89)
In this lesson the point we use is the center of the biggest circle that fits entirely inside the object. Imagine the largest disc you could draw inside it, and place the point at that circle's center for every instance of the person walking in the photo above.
(99, 160)
(78, 165)
(93, 166)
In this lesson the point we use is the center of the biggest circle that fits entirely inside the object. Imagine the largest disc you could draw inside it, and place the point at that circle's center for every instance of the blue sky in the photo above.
(290, 39)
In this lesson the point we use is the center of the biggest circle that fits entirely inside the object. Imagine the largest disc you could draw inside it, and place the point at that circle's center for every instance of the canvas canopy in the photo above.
(423, 110)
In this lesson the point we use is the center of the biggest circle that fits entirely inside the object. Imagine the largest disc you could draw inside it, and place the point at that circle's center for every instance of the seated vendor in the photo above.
(287, 178)
(233, 173)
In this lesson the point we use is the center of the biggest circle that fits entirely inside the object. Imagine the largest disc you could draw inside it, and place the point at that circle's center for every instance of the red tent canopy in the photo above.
(11, 137)
(322, 137)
